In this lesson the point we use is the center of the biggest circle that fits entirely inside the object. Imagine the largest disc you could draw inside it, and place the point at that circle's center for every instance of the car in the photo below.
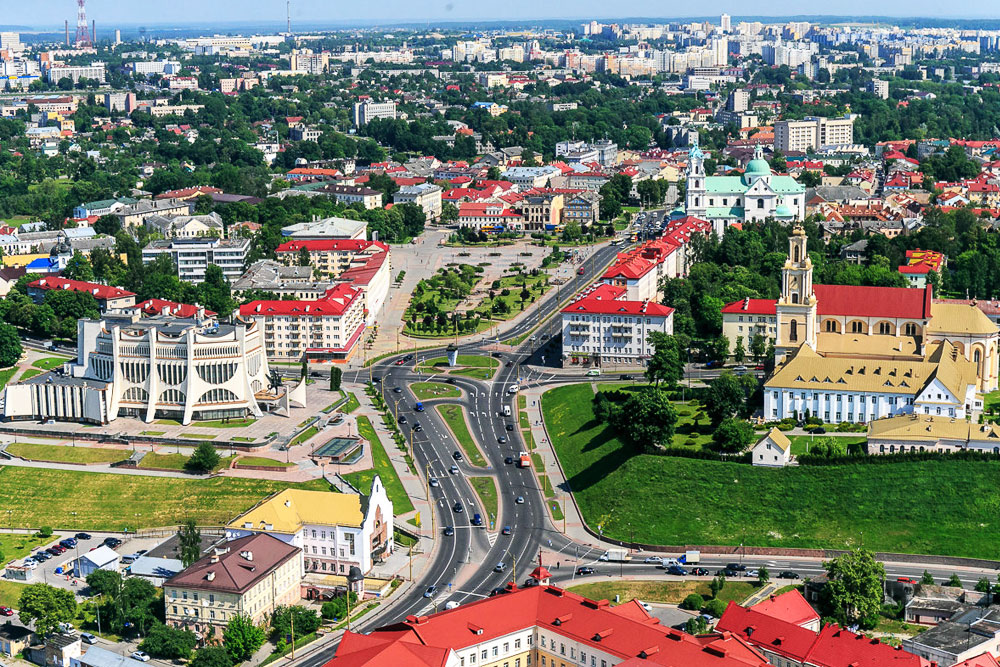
(376, 379)
(127, 560)
(397, 390)
(69, 542)
(534, 338)
(788, 574)
(726, 572)
(457, 455)
(429, 593)
(751, 573)
(509, 427)
(624, 376)
(677, 571)
(113, 542)
(509, 363)
(497, 355)
(53, 551)
(519, 500)
(584, 570)
(6, 611)
(593, 372)
(819, 430)
(41, 557)
(450, 380)
(500, 567)
(433, 482)
(30, 563)
(506, 530)
(315, 374)
(713, 364)
(508, 460)
(645, 605)
(708, 618)
(545, 336)
(88, 638)
(449, 531)
(759, 367)
(419, 407)
(529, 582)
(736, 567)
(457, 507)
(906, 580)
(408, 357)
(477, 519)
(502, 439)
(653, 560)
(740, 369)
(402, 419)
(417, 427)
(82, 536)
(496, 591)
(699, 572)
(453, 470)
(400, 362)
(140, 656)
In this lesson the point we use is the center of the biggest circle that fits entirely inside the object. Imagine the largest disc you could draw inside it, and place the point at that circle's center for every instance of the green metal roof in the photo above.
(725, 184)
(787, 185)
(725, 212)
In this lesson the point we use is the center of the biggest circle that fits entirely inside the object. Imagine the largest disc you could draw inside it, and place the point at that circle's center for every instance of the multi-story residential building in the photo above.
(187, 226)
(489, 217)
(365, 112)
(120, 101)
(425, 195)
(601, 328)
(334, 530)
(813, 133)
(531, 177)
(148, 67)
(743, 320)
(327, 228)
(326, 329)
(295, 282)
(353, 194)
(250, 576)
(541, 625)
(878, 88)
(192, 256)
(584, 208)
(308, 62)
(150, 368)
(108, 297)
(135, 214)
(102, 207)
(302, 132)
(94, 71)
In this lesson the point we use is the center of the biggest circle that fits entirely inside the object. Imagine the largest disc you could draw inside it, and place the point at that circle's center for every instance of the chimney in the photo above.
(249, 556)
(67, 32)
(288, 503)
(210, 576)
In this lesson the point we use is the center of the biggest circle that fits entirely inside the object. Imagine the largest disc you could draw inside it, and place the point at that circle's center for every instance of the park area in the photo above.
(469, 365)
(676, 501)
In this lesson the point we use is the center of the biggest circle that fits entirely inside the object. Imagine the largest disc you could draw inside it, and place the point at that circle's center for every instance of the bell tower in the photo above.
(696, 201)
(796, 308)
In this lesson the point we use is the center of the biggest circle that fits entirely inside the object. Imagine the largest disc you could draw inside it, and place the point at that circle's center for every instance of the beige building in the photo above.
(911, 433)
(541, 211)
(812, 133)
(250, 576)
(425, 195)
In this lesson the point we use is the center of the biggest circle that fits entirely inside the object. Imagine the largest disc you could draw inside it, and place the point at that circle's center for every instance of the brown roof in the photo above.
(240, 565)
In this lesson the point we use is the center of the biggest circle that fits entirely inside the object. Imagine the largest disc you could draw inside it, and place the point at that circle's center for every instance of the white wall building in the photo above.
(192, 256)
(365, 112)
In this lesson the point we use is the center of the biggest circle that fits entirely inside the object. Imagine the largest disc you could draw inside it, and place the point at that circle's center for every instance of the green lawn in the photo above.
(669, 592)
(6, 375)
(351, 405)
(427, 390)
(672, 500)
(454, 417)
(175, 461)
(486, 489)
(305, 435)
(104, 501)
(362, 479)
(48, 363)
(18, 545)
(198, 436)
(263, 461)
(10, 592)
(30, 373)
(153, 432)
(65, 454)
(800, 443)
(476, 373)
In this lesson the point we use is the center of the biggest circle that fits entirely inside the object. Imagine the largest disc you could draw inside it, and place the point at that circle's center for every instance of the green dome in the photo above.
(758, 167)
(783, 212)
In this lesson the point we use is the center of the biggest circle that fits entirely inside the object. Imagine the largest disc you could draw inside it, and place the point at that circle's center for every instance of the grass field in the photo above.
(475, 373)
(48, 363)
(486, 489)
(64, 454)
(198, 436)
(10, 592)
(263, 461)
(427, 390)
(19, 545)
(362, 479)
(305, 435)
(454, 417)
(30, 373)
(672, 500)
(103, 501)
(438, 364)
(800, 443)
(6, 375)
(175, 461)
(351, 405)
(670, 592)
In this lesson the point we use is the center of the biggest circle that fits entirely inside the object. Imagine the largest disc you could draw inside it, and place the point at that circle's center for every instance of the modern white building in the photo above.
(187, 226)
(150, 368)
(425, 195)
(601, 328)
(101, 558)
(192, 256)
(365, 112)
(813, 133)
(93, 71)
(334, 530)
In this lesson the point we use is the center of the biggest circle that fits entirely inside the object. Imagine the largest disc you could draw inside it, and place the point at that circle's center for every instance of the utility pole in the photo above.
(411, 563)
(291, 618)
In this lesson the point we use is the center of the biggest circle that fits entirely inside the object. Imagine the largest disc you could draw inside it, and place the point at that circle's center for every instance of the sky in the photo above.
(49, 13)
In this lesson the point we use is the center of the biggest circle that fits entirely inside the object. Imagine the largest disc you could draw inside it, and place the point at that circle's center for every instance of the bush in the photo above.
(45, 531)
(690, 442)
(715, 608)
(785, 427)
(169, 643)
(693, 602)
(204, 458)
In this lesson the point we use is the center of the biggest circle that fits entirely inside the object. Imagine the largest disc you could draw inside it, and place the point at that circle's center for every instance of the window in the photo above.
(884, 328)
(910, 329)
(760, 204)
(793, 331)
(831, 326)
(857, 327)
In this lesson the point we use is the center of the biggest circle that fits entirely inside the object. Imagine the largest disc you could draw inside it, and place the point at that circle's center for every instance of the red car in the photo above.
(6, 611)
(399, 362)
(906, 580)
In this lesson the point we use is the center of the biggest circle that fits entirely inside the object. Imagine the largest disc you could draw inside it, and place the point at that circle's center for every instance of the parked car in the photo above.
(726, 572)
(69, 542)
(429, 593)
(819, 430)
(82, 536)
(449, 531)
(788, 574)
(906, 580)
(751, 573)
(677, 571)
(6, 611)
(585, 570)
(88, 638)
(699, 572)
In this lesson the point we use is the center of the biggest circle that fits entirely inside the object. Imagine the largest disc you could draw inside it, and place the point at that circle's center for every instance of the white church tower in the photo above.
(796, 308)
(696, 200)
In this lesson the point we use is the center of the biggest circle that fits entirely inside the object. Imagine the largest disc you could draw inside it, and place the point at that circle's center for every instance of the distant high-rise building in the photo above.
(368, 111)
(879, 88)
(739, 100)
(118, 37)
(726, 22)
(10, 41)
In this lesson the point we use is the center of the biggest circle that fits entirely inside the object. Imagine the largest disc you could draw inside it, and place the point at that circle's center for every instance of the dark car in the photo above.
(726, 572)
(402, 419)
(737, 567)
(417, 427)
(497, 591)
(677, 571)
(458, 508)
(457, 455)
(788, 574)
(509, 460)
(509, 427)
(316, 374)
(506, 530)
(509, 364)
(42, 556)
(819, 430)
(408, 357)
(69, 542)
(580, 571)
(699, 572)
(376, 379)
(82, 536)
(450, 380)
(52, 551)
(448, 531)
(397, 390)
(112, 542)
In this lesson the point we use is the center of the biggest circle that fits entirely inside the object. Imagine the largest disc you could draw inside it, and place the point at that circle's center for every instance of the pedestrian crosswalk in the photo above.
(435, 605)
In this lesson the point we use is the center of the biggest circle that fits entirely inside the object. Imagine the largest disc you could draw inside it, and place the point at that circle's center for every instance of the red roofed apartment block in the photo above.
(108, 297)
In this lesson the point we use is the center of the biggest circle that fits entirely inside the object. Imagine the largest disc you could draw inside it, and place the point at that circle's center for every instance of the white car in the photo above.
(140, 656)
(645, 605)
(656, 560)
(434, 482)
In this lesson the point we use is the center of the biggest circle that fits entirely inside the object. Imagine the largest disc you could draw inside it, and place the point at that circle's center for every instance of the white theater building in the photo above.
(150, 368)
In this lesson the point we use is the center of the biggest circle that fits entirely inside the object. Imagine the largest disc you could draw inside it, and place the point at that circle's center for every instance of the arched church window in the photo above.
(793, 331)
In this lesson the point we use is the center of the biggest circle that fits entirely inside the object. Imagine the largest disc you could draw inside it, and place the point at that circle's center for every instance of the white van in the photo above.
(506, 411)
(513, 389)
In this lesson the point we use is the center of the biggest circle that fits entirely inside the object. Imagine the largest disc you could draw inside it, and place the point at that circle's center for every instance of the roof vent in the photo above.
(214, 559)
(210, 576)
(288, 503)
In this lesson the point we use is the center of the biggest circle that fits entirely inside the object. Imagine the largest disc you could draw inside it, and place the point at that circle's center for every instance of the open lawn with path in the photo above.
(6, 375)
(65, 454)
(175, 461)
(428, 390)
(48, 363)
(454, 417)
(677, 501)
(362, 479)
(263, 461)
(105, 501)
(670, 592)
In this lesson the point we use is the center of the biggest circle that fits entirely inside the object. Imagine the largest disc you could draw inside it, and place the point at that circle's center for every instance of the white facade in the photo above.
(365, 112)
(812, 133)
(425, 195)
(192, 256)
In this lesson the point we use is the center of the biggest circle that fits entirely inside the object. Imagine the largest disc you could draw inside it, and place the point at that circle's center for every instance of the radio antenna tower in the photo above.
(82, 32)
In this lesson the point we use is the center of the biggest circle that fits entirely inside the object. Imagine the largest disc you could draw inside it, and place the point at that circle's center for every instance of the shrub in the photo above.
(45, 531)
(693, 602)
(715, 608)
(690, 442)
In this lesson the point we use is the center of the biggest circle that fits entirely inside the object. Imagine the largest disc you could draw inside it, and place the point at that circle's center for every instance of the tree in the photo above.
(46, 606)
(983, 585)
(696, 626)
(336, 375)
(304, 256)
(107, 224)
(725, 397)
(307, 621)
(715, 607)
(693, 602)
(138, 596)
(10, 345)
(204, 458)
(758, 347)
(717, 584)
(78, 268)
(927, 578)
(853, 593)
(665, 364)
(733, 435)
(717, 348)
(169, 643)
(953, 580)
(212, 656)
(763, 576)
(242, 638)
(189, 538)
(647, 418)
(337, 607)
(739, 353)
(106, 583)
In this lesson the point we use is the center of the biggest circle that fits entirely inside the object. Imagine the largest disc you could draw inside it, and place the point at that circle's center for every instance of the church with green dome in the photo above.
(758, 194)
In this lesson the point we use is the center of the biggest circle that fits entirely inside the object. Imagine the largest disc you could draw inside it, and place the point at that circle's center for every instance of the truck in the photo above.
(419, 407)
(616, 555)
(691, 557)
(523, 460)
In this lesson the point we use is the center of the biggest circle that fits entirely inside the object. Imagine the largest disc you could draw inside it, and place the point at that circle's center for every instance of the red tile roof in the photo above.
(790, 607)
(902, 302)
(336, 302)
(100, 292)
(752, 306)
(156, 307)
(321, 245)
(595, 303)
(188, 193)
(246, 561)
(984, 660)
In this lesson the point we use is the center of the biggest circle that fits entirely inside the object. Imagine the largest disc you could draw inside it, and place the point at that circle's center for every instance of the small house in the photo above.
(774, 449)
